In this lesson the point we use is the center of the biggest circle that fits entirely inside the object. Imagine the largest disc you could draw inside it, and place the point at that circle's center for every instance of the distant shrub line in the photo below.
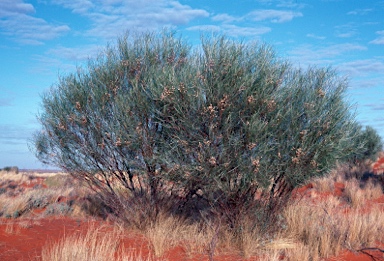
(10, 169)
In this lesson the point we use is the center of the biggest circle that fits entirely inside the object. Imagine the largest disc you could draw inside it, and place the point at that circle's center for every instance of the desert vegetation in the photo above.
(319, 221)
(13, 169)
(207, 148)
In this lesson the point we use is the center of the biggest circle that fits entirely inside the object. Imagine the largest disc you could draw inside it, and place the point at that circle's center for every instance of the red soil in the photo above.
(35, 182)
(378, 166)
(26, 241)
(366, 255)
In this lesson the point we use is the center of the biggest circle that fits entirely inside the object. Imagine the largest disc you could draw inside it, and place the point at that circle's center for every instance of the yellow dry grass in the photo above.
(14, 206)
(324, 228)
(11, 228)
(95, 245)
(358, 195)
(26, 176)
(169, 231)
(324, 184)
(17, 200)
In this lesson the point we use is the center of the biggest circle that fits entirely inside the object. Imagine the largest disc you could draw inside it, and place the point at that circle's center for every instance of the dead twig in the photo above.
(374, 258)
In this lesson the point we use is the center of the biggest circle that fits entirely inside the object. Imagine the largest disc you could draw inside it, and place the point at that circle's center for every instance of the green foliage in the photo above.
(372, 144)
(218, 122)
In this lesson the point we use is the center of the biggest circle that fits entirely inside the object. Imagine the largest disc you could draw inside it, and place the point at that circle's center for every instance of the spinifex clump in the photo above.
(155, 125)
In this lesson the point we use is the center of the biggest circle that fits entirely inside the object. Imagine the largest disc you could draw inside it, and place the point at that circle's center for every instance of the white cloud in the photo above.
(380, 39)
(24, 28)
(13, 134)
(78, 54)
(346, 30)
(310, 54)
(291, 4)
(206, 28)
(314, 36)
(112, 17)
(238, 31)
(365, 81)
(283, 3)
(363, 67)
(64, 59)
(375, 106)
(226, 18)
(77, 6)
(275, 16)
(360, 11)
(12, 7)
(232, 30)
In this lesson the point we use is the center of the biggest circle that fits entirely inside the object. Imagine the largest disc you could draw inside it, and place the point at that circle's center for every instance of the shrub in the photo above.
(11, 169)
(58, 209)
(372, 145)
(153, 119)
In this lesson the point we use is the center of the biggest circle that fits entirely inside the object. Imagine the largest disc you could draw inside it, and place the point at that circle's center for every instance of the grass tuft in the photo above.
(95, 245)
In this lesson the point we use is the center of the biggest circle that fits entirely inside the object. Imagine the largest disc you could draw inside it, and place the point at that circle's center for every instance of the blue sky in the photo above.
(42, 39)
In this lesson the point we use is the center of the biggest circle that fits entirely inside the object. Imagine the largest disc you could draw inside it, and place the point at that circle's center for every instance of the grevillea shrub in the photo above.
(153, 119)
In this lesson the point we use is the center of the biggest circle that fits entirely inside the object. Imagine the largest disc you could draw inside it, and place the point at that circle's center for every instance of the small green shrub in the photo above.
(38, 202)
(58, 209)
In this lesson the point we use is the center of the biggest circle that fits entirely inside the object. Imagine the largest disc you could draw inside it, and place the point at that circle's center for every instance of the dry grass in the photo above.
(14, 227)
(11, 228)
(324, 184)
(322, 230)
(313, 226)
(167, 232)
(96, 245)
(301, 252)
(26, 176)
(364, 228)
(17, 200)
(358, 195)
(9, 175)
(14, 206)
(197, 238)
(252, 241)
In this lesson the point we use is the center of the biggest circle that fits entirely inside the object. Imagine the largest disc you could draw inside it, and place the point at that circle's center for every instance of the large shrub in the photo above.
(155, 117)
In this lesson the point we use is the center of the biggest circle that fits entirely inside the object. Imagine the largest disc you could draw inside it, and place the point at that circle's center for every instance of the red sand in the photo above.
(378, 166)
(369, 255)
(25, 243)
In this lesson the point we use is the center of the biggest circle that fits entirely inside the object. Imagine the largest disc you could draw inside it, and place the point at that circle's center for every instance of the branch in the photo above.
(364, 251)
